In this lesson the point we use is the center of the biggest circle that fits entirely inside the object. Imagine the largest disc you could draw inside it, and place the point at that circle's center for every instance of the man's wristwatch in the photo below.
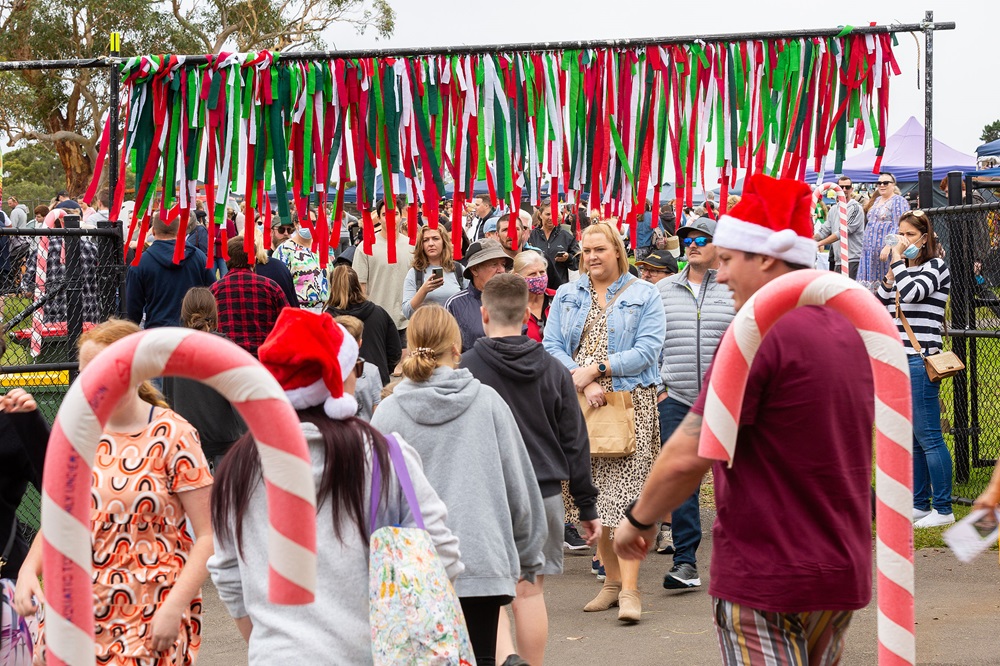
(602, 368)
(635, 523)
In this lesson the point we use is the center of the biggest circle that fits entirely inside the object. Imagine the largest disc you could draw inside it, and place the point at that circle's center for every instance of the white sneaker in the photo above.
(920, 513)
(935, 519)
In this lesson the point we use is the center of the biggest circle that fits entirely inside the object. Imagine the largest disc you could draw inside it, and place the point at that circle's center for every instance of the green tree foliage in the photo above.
(991, 132)
(64, 108)
(33, 173)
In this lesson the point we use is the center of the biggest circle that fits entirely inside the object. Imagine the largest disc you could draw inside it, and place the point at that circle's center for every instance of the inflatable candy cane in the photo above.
(842, 212)
(894, 444)
(291, 497)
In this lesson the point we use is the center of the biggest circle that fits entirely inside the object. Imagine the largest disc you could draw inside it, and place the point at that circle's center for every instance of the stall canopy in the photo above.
(989, 149)
(903, 158)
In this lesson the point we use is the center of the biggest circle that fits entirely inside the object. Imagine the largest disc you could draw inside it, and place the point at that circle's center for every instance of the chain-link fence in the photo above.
(54, 284)
(970, 235)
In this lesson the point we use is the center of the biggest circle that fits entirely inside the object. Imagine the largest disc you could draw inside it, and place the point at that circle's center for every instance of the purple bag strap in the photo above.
(403, 474)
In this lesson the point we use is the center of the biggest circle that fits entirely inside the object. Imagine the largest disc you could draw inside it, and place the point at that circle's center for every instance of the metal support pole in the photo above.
(118, 254)
(963, 281)
(929, 90)
(115, 79)
(925, 189)
(74, 286)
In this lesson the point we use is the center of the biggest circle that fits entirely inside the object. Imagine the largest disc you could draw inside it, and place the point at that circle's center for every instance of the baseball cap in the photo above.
(490, 226)
(660, 260)
(703, 224)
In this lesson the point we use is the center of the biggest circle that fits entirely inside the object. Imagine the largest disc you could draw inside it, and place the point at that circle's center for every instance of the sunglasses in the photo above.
(651, 271)
(885, 182)
(359, 367)
(284, 229)
(700, 241)
(847, 187)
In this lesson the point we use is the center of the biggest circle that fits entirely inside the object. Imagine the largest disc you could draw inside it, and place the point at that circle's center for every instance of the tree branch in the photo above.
(61, 135)
(201, 36)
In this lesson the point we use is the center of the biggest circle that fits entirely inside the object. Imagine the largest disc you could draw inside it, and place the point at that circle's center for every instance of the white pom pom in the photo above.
(782, 241)
(341, 408)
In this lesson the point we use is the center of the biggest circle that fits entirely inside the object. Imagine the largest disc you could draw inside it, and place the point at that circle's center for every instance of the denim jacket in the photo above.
(636, 327)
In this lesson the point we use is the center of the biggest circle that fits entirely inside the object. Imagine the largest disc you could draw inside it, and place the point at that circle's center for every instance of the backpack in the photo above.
(414, 612)
(419, 276)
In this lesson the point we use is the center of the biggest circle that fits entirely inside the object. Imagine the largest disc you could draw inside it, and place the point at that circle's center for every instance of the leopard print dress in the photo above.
(618, 480)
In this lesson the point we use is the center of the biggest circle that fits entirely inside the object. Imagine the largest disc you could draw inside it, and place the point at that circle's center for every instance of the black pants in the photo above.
(481, 617)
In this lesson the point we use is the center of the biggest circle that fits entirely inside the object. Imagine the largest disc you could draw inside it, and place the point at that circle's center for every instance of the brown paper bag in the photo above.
(611, 427)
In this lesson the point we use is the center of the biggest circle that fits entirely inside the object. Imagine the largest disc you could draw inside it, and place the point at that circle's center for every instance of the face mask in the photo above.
(537, 285)
(911, 252)
(305, 234)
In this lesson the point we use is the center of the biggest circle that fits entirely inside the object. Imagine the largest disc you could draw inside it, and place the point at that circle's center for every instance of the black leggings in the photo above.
(481, 617)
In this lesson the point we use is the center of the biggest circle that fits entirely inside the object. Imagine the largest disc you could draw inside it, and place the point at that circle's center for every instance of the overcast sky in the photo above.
(964, 100)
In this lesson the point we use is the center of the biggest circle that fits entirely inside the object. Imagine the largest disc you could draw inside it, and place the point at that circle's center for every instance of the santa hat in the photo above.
(311, 355)
(774, 218)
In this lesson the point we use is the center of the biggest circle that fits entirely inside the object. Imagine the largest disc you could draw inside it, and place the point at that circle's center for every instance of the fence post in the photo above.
(962, 279)
(925, 189)
(74, 286)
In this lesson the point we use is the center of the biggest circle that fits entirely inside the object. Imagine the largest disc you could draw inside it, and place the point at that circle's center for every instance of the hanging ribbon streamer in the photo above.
(603, 123)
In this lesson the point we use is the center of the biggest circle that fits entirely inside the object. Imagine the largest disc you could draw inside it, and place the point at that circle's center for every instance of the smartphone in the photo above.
(438, 273)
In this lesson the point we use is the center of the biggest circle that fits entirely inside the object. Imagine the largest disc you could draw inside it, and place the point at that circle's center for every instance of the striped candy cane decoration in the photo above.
(291, 498)
(842, 213)
(894, 444)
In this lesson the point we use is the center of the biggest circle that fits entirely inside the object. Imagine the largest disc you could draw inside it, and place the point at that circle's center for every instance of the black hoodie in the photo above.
(380, 339)
(539, 391)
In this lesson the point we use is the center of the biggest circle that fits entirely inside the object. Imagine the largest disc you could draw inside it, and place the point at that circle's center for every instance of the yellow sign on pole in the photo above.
(116, 42)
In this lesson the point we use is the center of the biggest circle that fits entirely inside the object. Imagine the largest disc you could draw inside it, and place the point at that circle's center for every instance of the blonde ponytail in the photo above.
(432, 335)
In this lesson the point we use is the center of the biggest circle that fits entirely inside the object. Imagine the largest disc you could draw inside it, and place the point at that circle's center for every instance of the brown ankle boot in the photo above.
(606, 598)
(629, 606)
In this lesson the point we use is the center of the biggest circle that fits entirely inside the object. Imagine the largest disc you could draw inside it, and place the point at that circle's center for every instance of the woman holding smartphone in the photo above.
(435, 276)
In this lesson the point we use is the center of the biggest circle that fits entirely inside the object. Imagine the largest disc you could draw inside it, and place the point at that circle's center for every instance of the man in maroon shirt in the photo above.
(792, 550)
(249, 304)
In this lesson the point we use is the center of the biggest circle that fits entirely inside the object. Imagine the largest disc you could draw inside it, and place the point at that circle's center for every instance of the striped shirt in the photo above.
(923, 294)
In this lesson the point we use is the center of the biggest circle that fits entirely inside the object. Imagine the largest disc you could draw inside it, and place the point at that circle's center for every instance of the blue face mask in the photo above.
(911, 252)
(305, 234)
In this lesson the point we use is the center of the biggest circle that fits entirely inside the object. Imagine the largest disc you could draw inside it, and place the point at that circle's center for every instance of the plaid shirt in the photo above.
(56, 308)
(248, 307)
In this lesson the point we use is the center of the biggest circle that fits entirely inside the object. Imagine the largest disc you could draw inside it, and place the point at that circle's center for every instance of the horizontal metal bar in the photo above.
(965, 208)
(971, 333)
(73, 63)
(108, 233)
(41, 367)
(467, 49)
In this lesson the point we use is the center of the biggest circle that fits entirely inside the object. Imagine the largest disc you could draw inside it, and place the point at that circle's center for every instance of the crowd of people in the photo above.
(488, 373)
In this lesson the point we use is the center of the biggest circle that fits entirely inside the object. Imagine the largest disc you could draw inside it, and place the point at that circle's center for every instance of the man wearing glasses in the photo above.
(829, 232)
(657, 265)
(698, 311)
(279, 233)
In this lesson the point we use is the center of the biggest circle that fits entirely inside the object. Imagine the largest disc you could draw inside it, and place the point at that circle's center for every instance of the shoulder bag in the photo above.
(415, 615)
(611, 428)
(939, 366)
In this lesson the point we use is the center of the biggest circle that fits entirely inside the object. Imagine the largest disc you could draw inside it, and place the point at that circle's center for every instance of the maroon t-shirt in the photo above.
(793, 525)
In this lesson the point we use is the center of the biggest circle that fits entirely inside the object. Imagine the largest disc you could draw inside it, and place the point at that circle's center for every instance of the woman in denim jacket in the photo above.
(608, 329)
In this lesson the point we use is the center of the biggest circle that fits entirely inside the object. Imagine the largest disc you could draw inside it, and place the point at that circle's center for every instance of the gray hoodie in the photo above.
(475, 458)
(334, 629)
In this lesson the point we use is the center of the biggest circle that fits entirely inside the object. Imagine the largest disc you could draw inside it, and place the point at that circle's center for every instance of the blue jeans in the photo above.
(686, 521)
(931, 459)
(220, 265)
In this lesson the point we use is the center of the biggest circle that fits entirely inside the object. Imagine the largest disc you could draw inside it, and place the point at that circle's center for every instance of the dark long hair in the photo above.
(342, 484)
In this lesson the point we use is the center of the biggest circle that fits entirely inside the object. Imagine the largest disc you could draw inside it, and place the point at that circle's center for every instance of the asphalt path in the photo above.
(957, 610)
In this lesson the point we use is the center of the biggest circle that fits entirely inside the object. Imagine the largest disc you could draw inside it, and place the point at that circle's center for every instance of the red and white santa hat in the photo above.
(773, 218)
(311, 355)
